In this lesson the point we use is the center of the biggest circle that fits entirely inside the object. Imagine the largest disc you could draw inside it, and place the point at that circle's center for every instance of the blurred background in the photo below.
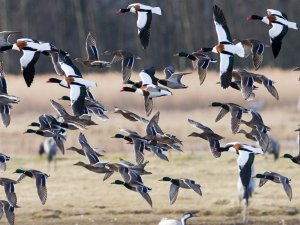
(184, 26)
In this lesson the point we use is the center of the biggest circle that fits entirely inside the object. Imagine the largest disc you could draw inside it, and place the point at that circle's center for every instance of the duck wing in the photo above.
(277, 33)
(148, 105)
(9, 213)
(91, 48)
(168, 71)
(41, 187)
(54, 59)
(221, 25)
(4, 35)
(139, 147)
(77, 96)
(193, 185)
(127, 64)
(28, 60)
(224, 110)
(144, 25)
(5, 116)
(287, 187)
(245, 162)
(226, 67)
(10, 193)
(143, 191)
(269, 85)
(88, 151)
(173, 193)
(176, 77)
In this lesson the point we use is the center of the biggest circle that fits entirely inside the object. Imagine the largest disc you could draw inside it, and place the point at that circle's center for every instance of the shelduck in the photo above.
(144, 20)
(280, 25)
(183, 220)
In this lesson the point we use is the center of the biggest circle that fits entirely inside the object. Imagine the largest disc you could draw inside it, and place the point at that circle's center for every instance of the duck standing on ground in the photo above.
(183, 220)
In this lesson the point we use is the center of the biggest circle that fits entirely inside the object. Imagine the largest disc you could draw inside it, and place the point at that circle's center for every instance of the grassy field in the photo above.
(77, 196)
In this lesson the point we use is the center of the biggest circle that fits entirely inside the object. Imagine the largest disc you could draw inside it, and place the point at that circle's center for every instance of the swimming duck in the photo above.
(200, 63)
(280, 25)
(8, 209)
(141, 189)
(40, 178)
(207, 134)
(93, 55)
(236, 113)
(130, 115)
(245, 160)
(183, 220)
(9, 189)
(127, 59)
(226, 48)
(5, 99)
(276, 178)
(98, 167)
(148, 90)
(172, 79)
(181, 183)
(143, 23)
(30, 50)
(295, 159)
(4, 36)
(3, 159)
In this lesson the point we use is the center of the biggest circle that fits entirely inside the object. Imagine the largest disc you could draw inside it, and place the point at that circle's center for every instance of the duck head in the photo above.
(19, 171)
(53, 80)
(287, 156)
(216, 104)
(34, 124)
(118, 182)
(181, 54)
(29, 131)
(165, 179)
(118, 136)
(123, 10)
(128, 89)
(65, 98)
(259, 176)
(79, 164)
(254, 17)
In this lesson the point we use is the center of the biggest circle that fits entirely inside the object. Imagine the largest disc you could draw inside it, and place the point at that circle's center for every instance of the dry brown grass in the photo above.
(77, 196)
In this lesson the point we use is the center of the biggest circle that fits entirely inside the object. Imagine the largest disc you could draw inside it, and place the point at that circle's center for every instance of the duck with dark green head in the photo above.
(180, 183)
(276, 178)
(40, 178)
(200, 63)
(141, 189)
(121, 136)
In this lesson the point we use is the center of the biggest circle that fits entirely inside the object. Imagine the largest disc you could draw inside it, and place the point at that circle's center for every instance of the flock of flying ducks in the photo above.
(155, 140)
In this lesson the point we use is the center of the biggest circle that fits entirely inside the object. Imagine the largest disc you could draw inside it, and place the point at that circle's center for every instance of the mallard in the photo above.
(40, 178)
(81, 152)
(127, 62)
(143, 23)
(207, 134)
(200, 63)
(236, 113)
(279, 23)
(130, 115)
(141, 189)
(172, 79)
(277, 178)
(92, 53)
(183, 220)
(181, 183)
(75, 121)
(295, 159)
(9, 189)
(98, 167)
(139, 168)
(6, 208)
